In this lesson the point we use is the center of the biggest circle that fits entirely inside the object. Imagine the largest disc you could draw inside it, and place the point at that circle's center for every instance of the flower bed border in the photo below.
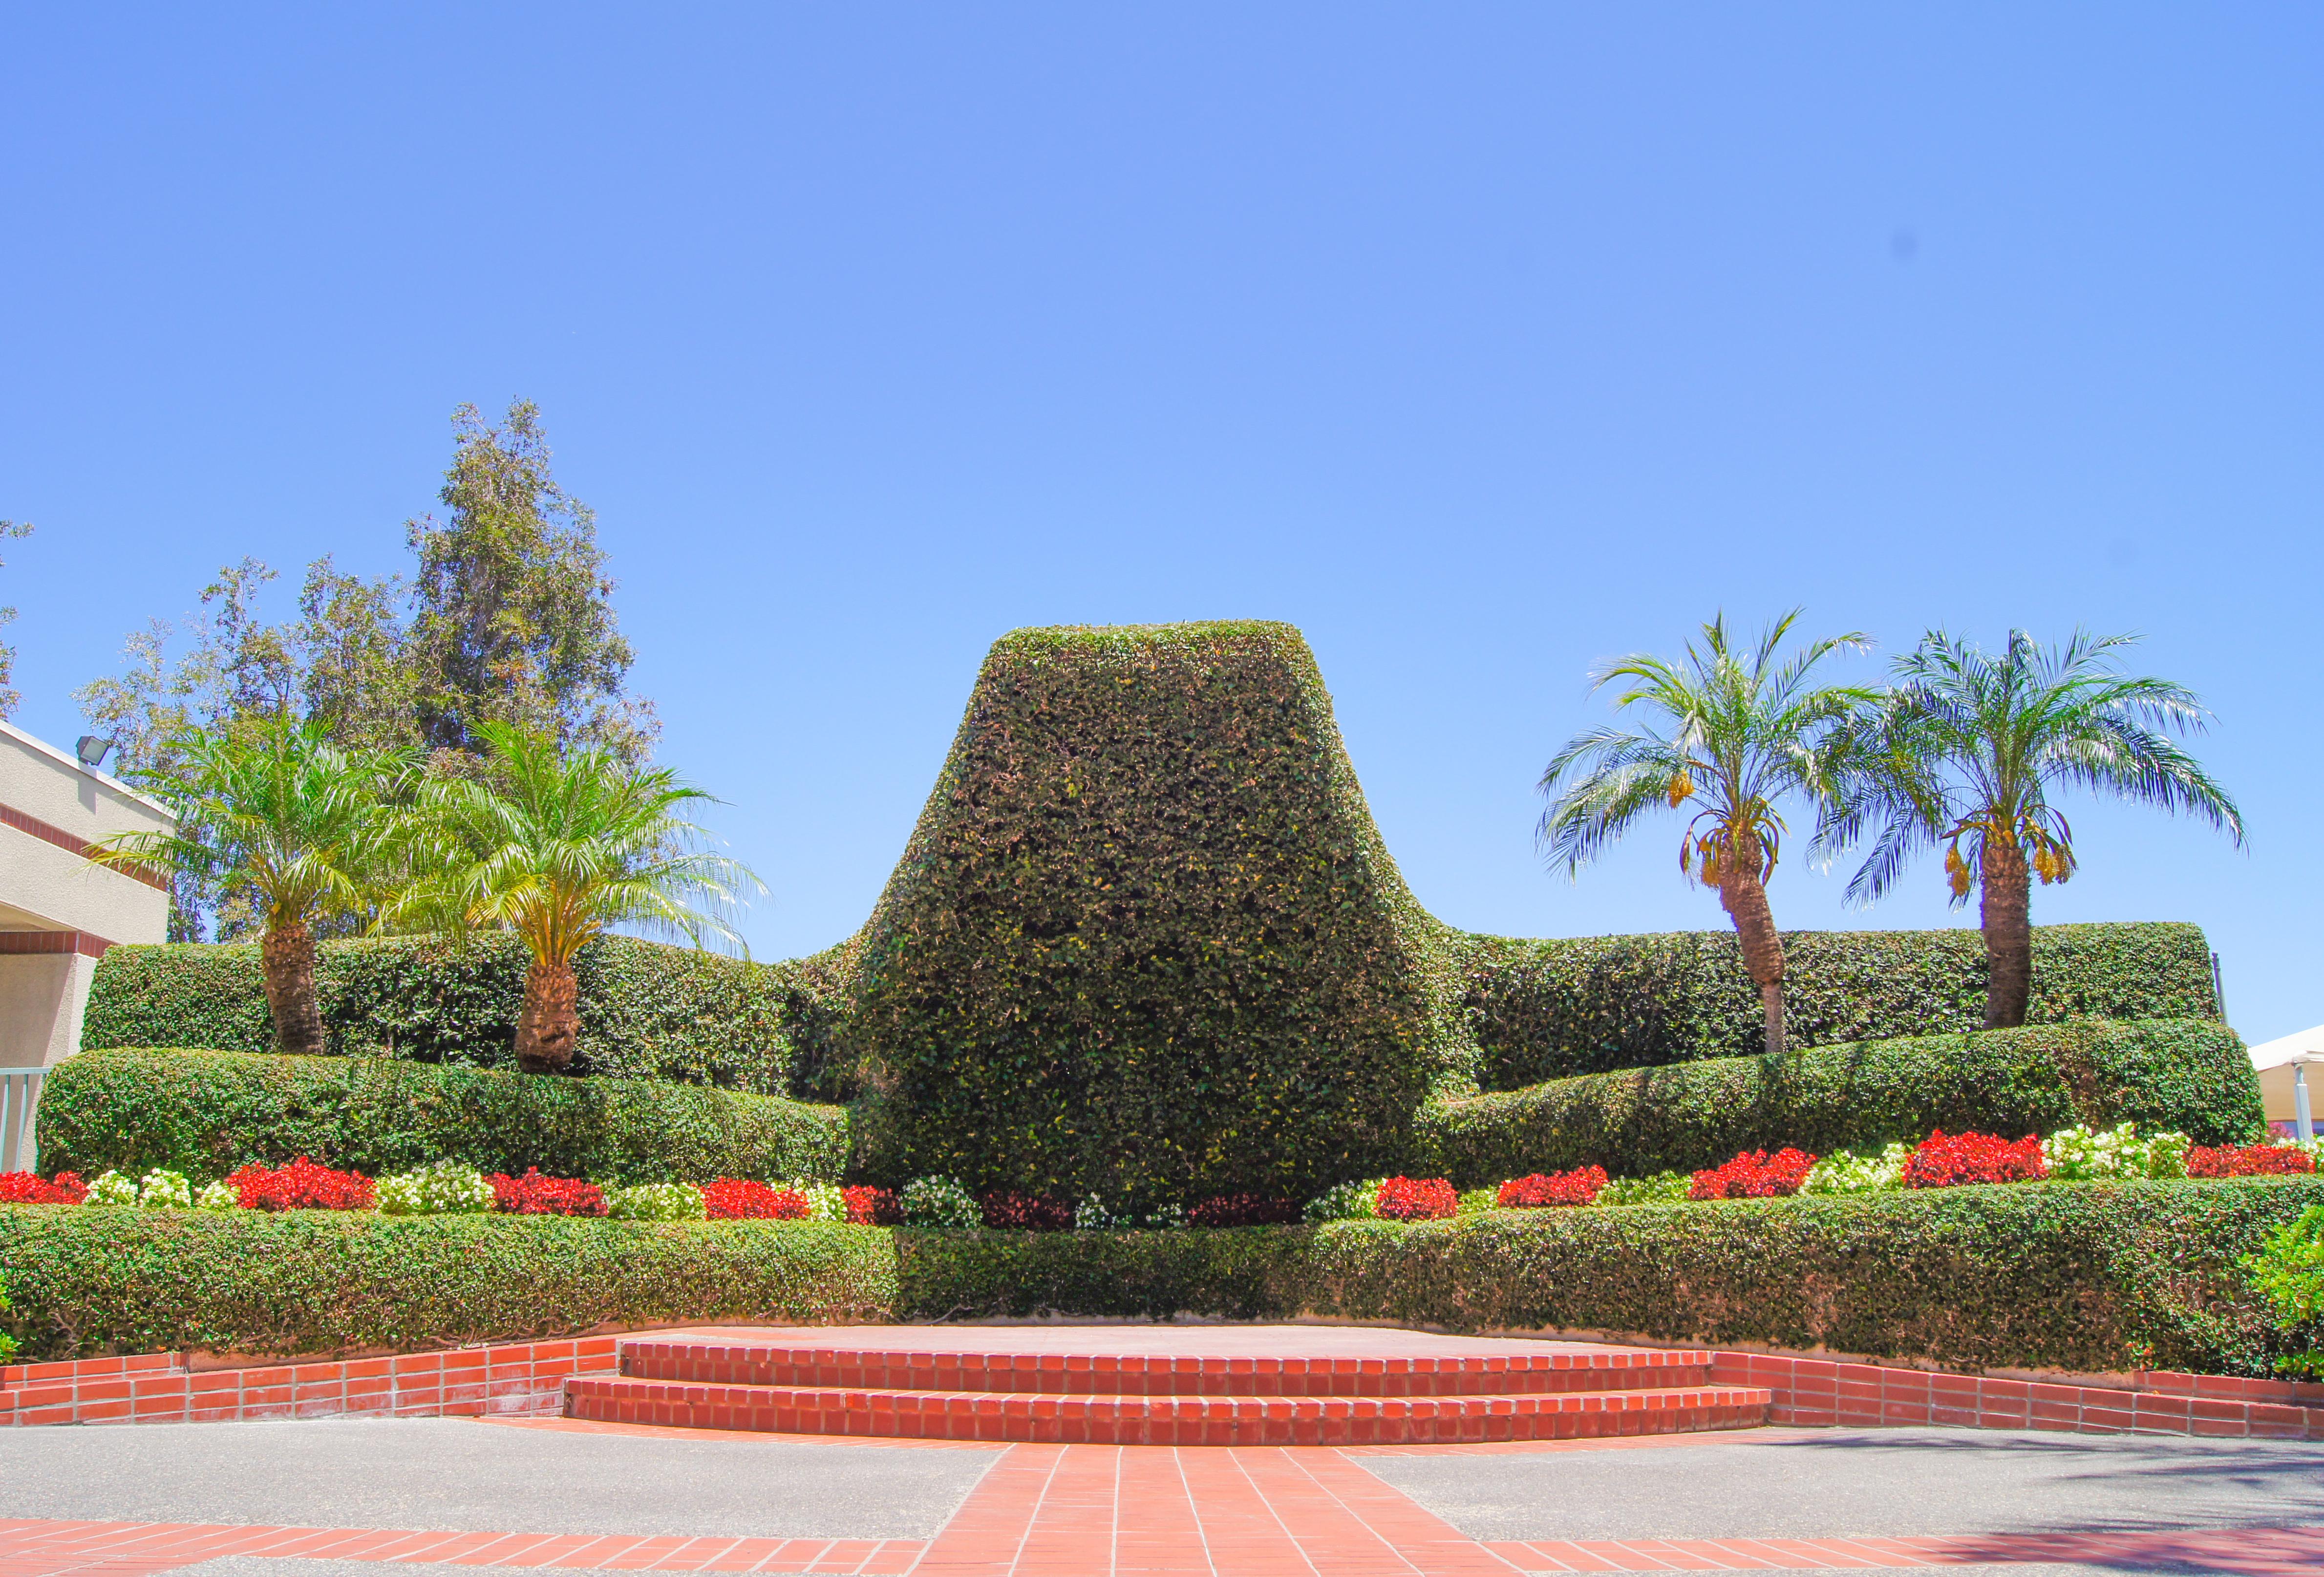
(521, 1379)
(526, 1379)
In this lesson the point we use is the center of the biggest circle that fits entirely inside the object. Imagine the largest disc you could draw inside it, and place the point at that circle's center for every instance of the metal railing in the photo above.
(19, 1099)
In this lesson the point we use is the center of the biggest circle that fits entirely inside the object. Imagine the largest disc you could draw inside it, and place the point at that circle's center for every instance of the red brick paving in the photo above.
(1157, 1511)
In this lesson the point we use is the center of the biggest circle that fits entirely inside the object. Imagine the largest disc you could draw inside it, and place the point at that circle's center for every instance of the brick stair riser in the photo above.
(1165, 1420)
(1298, 1378)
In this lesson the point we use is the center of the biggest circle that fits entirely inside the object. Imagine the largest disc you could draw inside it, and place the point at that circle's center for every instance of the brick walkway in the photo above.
(1143, 1511)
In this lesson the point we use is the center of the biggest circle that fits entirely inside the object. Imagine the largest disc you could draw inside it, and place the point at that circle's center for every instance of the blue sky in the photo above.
(1482, 342)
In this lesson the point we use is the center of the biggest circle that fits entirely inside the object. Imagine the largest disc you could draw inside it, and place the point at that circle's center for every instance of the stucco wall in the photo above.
(54, 901)
(43, 887)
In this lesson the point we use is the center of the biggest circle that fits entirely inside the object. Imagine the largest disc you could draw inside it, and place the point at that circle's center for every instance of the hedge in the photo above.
(647, 1010)
(204, 1113)
(1145, 940)
(2082, 1276)
(2186, 1074)
(87, 1282)
(1589, 1005)
(2089, 1277)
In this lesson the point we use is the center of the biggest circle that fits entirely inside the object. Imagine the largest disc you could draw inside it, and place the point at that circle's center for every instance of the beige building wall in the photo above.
(58, 913)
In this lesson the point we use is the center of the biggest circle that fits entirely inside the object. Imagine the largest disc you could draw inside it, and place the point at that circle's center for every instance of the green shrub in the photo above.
(88, 1283)
(647, 1010)
(2187, 1074)
(1588, 1005)
(205, 1113)
(2289, 1272)
(2084, 1277)
(1145, 941)
(7, 1342)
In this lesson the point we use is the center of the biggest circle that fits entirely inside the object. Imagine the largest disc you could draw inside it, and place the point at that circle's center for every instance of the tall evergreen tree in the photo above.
(513, 610)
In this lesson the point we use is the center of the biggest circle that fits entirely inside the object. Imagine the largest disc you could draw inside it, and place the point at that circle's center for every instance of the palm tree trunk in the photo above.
(551, 1020)
(1745, 898)
(286, 954)
(2003, 913)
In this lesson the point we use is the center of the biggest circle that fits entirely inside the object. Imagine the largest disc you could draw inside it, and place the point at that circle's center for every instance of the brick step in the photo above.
(1116, 1419)
(698, 1362)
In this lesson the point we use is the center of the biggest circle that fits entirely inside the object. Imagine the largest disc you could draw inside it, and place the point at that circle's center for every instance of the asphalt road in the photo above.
(454, 1474)
(1889, 1482)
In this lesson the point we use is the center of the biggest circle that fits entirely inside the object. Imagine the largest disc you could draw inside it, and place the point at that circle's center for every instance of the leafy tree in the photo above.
(1734, 732)
(1966, 751)
(512, 613)
(273, 809)
(9, 698)
(561, 848)
(336, 666)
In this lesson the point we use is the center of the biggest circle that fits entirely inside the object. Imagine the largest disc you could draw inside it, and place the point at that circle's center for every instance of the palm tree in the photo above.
(560, 849)
(1737, 733)
(1967, 749)
(273, 809)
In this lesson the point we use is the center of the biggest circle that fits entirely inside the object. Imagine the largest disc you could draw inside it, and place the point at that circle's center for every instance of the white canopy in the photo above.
(2275, 1059)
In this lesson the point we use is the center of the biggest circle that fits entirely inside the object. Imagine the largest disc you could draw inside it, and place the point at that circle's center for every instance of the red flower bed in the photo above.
(26, 1188)
(303, 1185)
(1754, 1174)
(1006, 1207)
(2246, 1160)
(1417, 1199)
(1943, 1161)
(738, 1199)
(871, 1207)
(535, 1195)
(1243, 1210)
(1577, 1187)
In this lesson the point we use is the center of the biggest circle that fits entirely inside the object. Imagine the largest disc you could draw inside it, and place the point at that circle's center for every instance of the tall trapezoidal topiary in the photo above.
(1146, 941)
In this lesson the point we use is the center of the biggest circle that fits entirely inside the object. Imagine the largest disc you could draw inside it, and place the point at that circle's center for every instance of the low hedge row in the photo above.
(87, 1282)
(1588, 1005)
(2088, 1277)
(205, 1113)
(2187, 1074)
(647, 1010)
(2083, 1276)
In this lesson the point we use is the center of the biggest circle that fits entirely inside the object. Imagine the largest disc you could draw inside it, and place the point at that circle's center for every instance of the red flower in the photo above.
(1243, 1210)
(738, 1199)
(871, 1207)
(535, 1195)
(1941, 1162)
(1578, 1187)
(1407, 1199)
(1754, 1174)
(26, 1188)
(303, 1185)
(2246, 1160)
(1006, 1207)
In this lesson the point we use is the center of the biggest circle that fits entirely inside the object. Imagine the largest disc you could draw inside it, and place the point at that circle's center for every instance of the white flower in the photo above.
(938, 1201)
(657, 1201)
(112, 1188)
(163, 1190)
(441, 1188)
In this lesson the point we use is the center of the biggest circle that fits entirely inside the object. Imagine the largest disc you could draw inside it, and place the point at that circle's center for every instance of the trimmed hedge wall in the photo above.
(87, 1282)
(1552, 1009)
(205, 1113)
(2086, 1277)
(647, 1010)
(1145, 940)
(2187, 1074)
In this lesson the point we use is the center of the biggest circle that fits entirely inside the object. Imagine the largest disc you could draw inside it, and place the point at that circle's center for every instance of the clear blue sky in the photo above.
(1482, 342)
